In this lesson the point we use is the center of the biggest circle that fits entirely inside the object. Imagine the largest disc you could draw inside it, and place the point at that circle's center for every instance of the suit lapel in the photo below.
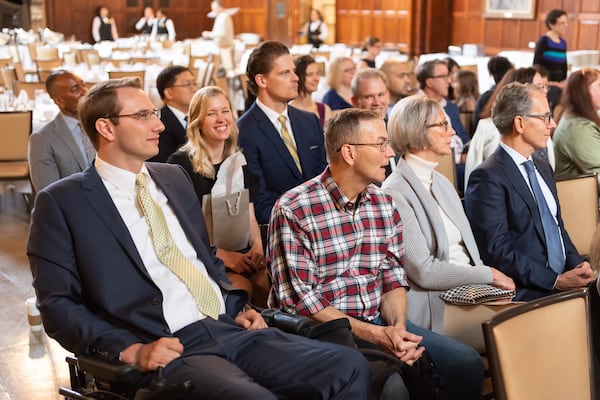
(62, 131)
(172, 122)
(546, 173)
(273, 136)
(514, 176)
(100, 200)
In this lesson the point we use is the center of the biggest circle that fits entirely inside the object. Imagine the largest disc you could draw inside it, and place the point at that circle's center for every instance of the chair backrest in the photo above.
(542, 349)
(14, 135)
(578, 197)
(46, 53)
(70, 59)
(209, 75)
(48, 65)
(88, 56)
(447, 167)
(203, 58)
(29, 87)
(9, 76)
(199, 70)
(19, 70)
(4, 62)
(124, 74)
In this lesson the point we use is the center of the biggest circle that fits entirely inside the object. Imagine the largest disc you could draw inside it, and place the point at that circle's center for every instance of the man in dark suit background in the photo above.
(60, 148)
(102, 288)
(278, 165)
(176, 85)
(501, 202)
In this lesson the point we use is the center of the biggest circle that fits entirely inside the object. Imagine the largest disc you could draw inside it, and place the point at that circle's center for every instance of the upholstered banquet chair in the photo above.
(542, 349)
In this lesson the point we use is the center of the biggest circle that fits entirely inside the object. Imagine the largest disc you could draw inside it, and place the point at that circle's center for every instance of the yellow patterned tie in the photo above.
(169, 254)
(289, 143)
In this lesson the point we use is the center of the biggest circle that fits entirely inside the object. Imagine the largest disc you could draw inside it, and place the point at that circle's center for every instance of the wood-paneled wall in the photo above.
(389, 20)
(469, 25)
(12, 13)
(413, 26)
(74, 18)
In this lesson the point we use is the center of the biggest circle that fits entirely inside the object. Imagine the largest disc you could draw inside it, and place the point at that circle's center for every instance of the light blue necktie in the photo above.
(556, 258)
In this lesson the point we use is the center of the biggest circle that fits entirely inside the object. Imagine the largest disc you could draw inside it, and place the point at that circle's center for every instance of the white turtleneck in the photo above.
(424, 170)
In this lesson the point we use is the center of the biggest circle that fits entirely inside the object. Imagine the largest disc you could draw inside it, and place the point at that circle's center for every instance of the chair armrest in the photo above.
(108, 370)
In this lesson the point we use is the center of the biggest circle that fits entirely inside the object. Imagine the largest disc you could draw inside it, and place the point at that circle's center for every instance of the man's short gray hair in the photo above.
(512, 101)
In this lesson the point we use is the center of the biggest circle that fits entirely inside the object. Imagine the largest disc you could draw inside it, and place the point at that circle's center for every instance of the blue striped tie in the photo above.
(554, 247)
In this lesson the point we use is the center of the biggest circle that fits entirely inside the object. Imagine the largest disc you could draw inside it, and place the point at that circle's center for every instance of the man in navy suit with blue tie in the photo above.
(283, 145)
(112, 250)
(512, 204)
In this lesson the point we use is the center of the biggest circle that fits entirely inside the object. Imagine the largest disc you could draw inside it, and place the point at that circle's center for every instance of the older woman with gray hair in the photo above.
(439, 248)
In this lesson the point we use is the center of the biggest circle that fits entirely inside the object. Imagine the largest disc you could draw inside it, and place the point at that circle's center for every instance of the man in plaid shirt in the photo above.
(335, 251)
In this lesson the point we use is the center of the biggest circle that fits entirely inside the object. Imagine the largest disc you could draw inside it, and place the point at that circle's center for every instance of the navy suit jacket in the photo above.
(507, 224)
(94, 293)
(270, 160)
(172, 138)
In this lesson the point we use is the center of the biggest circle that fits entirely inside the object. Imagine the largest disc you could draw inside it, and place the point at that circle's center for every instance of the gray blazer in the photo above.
(426, 248)
(53, 154)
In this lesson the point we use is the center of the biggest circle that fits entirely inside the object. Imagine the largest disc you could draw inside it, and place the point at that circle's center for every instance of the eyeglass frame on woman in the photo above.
(445, 123)
(383, 145)
(546, 118)
(143, 115)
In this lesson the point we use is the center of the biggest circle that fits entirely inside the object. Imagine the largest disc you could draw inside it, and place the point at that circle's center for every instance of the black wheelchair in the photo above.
(95, 377)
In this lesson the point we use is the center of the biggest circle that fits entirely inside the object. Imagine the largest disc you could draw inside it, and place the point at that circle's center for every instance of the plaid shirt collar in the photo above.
(340, 200)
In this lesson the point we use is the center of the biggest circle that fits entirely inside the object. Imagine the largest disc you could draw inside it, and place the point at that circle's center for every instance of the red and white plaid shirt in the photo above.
(327, 251)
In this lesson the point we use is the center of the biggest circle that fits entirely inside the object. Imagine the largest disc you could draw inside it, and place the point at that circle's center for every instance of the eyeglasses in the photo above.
(544, 117)
(443, 124)
(144, 115)
(382, 146)
(442, 76)
(187, 84)
(350, 70)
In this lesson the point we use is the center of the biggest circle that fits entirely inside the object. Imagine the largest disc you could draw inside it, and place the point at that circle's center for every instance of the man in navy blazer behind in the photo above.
(272, 79)
(103, 289)
(502, 208)
(176, 85)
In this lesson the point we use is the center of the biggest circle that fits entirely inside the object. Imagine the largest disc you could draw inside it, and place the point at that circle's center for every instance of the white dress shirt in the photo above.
(273, 117)
(179, 306)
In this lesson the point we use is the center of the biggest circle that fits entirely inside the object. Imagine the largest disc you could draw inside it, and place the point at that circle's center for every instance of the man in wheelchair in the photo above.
(123, 270)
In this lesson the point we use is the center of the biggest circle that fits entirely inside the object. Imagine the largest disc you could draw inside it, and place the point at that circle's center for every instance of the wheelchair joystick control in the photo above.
(159, 381)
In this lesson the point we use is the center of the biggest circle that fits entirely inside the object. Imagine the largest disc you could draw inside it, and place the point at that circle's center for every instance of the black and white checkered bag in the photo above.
(475, 294)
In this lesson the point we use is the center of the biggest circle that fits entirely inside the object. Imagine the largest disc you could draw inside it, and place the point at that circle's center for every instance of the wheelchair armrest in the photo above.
(289, 323)
(108, 370)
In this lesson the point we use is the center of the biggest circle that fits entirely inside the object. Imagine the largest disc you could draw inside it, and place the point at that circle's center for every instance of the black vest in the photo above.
(161, 28)
(147, 28)
(105, 30)
(313, 36)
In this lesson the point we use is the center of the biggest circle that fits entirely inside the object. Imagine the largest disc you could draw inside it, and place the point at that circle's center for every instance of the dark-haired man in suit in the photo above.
(176, 85)
(512, 204)
(123, 268)
(283, 145)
